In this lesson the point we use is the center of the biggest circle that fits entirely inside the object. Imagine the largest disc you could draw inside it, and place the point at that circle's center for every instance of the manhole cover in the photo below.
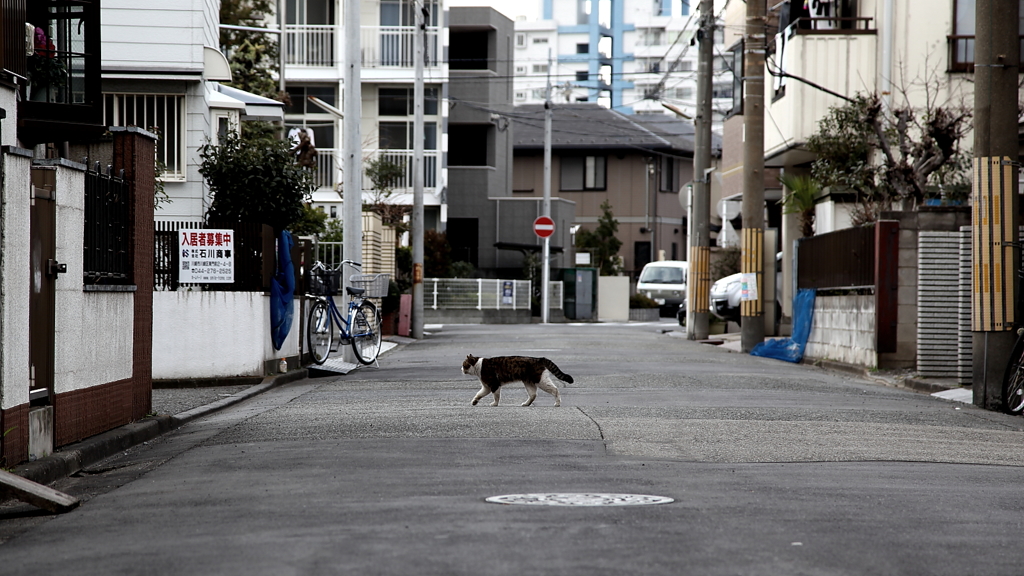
(585, 499)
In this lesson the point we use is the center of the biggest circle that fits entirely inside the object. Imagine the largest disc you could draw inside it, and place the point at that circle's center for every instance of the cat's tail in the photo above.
(554, 370)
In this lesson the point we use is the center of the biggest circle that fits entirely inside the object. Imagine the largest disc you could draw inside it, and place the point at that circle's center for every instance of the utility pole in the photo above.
(995, 205)
(352, 209)
(752, 209)
(417, 176)
(545, 263)
(699, 282)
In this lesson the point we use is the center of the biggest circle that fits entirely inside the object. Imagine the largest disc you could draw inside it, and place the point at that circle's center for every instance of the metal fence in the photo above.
(483, 294)
(843, 259)
(107, 239)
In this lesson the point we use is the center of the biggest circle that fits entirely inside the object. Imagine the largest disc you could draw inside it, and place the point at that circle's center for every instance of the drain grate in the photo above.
(580, 499)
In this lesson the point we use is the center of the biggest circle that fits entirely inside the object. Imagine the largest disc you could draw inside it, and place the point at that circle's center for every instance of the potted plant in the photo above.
(45, 69)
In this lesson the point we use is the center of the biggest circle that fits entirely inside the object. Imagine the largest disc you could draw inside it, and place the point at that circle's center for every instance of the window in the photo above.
(721, 90)
(521, 95)
(400, 102)
(520, 70)
(540, 68)
(651, 36)
(686, 66)
(300, 104)
(468, 50)
(334, 211)
(668, 180)
(583, 48)
(398, 135)
(163, 114)
(686, 12)
(540, 40)
(540, 93)
(582, 76)
(652, 65)
(520, 40)
(583, 172)
(737, 78)
(961, 42)
(683, 93)
(469, 144)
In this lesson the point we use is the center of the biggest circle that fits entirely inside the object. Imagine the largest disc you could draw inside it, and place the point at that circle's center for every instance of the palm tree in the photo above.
(799, 199)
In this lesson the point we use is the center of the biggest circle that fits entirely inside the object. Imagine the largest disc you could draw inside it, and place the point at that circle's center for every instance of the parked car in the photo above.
(665, 283)
(725, 297)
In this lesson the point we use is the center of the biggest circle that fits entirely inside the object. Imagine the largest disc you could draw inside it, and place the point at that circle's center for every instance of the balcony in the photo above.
(328, 168)
(393, 46)
(840, 59)
(311, 45)
(404, 158)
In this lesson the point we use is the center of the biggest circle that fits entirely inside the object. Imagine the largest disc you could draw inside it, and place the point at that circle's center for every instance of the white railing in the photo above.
(483, 294)
(392, 46)
(404, 158)
(310, 45)
(328, 168)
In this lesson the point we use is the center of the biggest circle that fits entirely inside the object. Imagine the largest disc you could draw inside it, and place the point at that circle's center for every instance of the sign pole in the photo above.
(545, 264)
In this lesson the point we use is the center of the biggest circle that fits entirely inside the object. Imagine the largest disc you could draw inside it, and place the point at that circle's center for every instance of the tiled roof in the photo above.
(585, 125)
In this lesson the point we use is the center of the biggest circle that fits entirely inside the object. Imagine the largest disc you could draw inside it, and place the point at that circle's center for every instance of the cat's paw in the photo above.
(494, 403)
(557, 404)
(473, 403)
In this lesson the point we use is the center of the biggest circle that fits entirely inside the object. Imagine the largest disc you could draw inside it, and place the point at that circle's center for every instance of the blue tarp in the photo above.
(282, 291)
(792, 349)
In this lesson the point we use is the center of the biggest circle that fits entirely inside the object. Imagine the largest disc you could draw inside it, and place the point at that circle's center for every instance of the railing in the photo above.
(107, 239)
(392, 46)
(330, 253)
(483, 294)
(836, 25)
(404, 158)
(328, 168)
(310, 45)
(961, 52)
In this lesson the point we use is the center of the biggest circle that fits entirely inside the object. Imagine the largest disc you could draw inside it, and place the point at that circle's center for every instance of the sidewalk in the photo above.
(946, 388)
(172, 408)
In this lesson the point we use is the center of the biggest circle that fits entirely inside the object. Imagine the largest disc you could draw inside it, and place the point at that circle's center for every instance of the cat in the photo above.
(532, 372)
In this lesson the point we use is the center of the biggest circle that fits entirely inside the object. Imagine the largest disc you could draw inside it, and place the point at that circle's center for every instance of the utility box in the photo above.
(580, 293)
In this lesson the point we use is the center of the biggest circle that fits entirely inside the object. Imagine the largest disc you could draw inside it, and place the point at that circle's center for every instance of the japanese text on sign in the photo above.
(206, 256)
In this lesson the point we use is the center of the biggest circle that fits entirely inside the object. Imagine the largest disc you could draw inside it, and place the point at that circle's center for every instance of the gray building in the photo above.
(486, 225)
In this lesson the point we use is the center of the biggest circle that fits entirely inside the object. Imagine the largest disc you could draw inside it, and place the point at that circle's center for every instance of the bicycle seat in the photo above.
(355, 291)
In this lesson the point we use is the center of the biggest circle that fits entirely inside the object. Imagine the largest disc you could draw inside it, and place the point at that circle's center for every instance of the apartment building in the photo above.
(161, 71)
(314, 67)
(629, 55)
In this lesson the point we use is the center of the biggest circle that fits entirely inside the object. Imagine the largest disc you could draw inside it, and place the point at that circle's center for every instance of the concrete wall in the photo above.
(843, 330)
(613, 298)
(14, 280)
(215, 334)
(92, 343)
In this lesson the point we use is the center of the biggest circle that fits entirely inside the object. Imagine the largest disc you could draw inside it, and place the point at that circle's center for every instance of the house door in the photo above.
(44, 269)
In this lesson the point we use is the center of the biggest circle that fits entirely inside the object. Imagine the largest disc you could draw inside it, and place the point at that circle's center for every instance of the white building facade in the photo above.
(314, 67)
(629, 55)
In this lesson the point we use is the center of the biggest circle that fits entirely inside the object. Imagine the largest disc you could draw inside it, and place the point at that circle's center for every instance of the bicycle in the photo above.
(360, 327)
(1013, 377)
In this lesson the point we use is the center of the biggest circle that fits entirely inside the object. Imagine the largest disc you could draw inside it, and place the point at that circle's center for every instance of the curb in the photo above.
(73, 458)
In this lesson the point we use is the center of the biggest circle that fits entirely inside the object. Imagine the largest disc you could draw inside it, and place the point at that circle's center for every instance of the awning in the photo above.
(256, 107)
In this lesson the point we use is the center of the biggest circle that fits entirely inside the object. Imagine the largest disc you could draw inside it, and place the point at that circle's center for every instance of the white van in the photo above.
(665, 283)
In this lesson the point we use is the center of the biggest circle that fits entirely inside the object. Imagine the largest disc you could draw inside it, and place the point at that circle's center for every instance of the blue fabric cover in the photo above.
(282, 291)
(792, 349)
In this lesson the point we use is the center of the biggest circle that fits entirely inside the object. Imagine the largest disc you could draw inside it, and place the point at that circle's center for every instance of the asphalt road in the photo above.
(774, 469)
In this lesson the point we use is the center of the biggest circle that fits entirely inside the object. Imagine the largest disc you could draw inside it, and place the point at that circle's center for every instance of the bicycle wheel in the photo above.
(365, 328)
(1013, 380)
(319, 332)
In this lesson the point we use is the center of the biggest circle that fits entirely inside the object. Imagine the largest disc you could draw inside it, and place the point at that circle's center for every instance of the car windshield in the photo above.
(662, 275)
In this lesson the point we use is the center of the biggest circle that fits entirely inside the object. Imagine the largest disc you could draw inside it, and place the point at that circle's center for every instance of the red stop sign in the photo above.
(544, 226)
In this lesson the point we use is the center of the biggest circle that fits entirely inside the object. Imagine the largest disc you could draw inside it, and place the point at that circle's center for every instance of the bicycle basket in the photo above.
(376, 285)
(324, 282)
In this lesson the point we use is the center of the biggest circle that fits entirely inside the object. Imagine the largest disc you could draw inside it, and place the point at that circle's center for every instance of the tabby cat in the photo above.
(532, 372)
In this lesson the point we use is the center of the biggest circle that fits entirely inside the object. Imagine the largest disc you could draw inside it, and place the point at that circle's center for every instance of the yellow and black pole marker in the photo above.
(996, 205)
(752, 256)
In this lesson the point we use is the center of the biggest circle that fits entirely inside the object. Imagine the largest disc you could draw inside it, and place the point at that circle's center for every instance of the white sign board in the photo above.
(206, 256)
(748, 286)
(583, 258)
